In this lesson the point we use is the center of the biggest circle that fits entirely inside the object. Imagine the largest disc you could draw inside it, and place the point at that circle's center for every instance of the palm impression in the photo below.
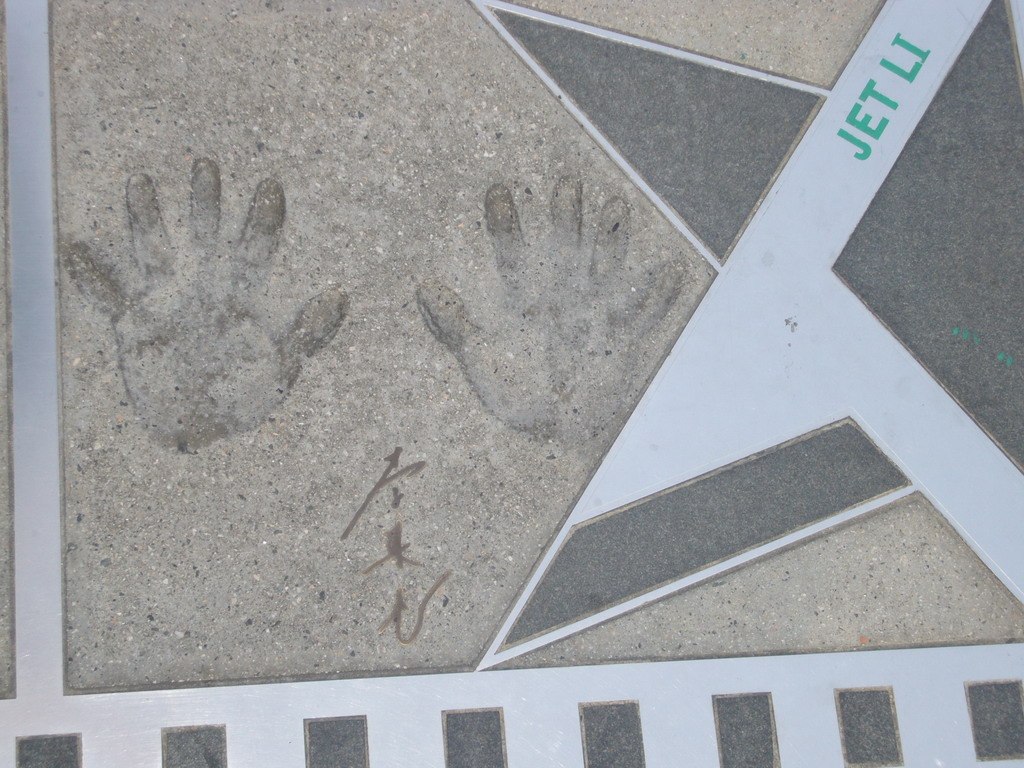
(203, 347)
(552, 346)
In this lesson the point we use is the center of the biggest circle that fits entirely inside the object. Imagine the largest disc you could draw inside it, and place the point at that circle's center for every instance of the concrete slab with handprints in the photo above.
(329, 382)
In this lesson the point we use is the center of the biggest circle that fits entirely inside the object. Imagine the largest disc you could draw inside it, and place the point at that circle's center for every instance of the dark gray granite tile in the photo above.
(474, 739)
(937, 256)
(338, 742)
(612, 737)
(50, 751)
(746, 731)
(997, 719)
(867, 723)
(195, 747)
(897, 577)
(684, 529)
(708, 141)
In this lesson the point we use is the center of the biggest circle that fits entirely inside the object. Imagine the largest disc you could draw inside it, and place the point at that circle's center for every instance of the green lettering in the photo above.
(863, 146)
(864, 123)
(907, 75)
(922, 55)
(869, 92)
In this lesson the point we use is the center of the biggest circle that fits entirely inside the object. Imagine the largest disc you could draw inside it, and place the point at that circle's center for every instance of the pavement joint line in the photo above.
(1017, 22)
(37, 528)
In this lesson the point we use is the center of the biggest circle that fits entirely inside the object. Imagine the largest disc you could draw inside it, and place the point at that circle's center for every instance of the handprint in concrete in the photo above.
(206, 351)
(552, 346)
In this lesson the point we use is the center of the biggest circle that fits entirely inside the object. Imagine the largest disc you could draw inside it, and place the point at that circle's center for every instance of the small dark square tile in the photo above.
(337, 742)
(474, 739)
(203, 746)
(746, 731)
(867, 724)
(50, 751)
(612, 736)
(997, 719)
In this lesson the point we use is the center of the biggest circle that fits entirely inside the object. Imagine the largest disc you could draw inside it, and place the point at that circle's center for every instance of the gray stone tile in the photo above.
(6, 499)
(746, 731)
(867, 726)
(612, 735)
(338, 742)
(706, 520)
(898, 577)
(63, 751)
(810, 42)
(195, 747)
(997, 719)
(706, 140)
(214, 550)
(937, 255)
(474, 739)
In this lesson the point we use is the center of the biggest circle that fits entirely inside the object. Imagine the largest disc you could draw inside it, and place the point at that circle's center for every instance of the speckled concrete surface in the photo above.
(6, 519)
(900, 577)
(204, 525)
(809, 40)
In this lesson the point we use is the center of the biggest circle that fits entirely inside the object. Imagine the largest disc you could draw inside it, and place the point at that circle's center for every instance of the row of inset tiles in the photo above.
(611, 732)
